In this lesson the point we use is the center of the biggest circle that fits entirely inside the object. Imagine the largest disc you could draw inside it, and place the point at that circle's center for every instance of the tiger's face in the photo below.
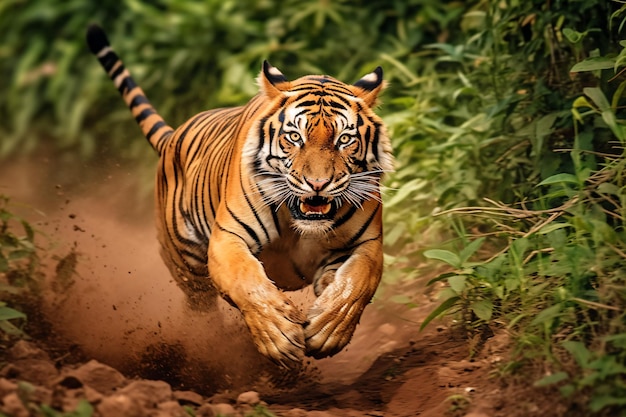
(320, 147)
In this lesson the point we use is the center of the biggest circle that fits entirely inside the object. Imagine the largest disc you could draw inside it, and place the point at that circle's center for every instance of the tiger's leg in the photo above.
(342, 296)
(274, 321)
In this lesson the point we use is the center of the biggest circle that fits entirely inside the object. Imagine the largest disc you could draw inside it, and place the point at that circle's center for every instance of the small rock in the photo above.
(296, 412)
(12, 406)
(119, 405)
(172, 408)
(149, 393)
(6, 387)
(188, 397)
(27, 350)
(35, 371)
(92, 395)
(249, 397)
(224, 410)
(319, 414)
(205, 410)
(98, 376)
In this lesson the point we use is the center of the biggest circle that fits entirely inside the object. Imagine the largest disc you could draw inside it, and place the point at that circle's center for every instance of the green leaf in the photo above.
(406, 191)
(547, 315)
(574, 36)
(83, 409)
(581, 354)
(443, 307)
(567, 390)
(457, 283)
(551, 227)
(598, 402)
(483, 309)
(445, 256)
(440, 277)
(11, 329)
(609, 188)
(7, 313)
(470, 249)
(593, 64)
(560, 178)
(597, 96)
(551, 379)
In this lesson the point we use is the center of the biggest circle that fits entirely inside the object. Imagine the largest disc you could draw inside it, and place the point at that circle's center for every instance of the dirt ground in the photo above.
(112, 330)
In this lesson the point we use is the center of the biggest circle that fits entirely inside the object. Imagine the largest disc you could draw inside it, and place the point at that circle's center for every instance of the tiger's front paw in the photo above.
(330, 327)
(276, 327)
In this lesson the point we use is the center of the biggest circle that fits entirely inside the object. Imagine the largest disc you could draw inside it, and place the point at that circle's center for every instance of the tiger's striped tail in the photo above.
(151, 123)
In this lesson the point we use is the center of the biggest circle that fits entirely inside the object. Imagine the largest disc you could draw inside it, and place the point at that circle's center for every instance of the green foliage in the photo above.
(187, 55)
(18, 266)
(260, 410)
(559, 283)
(6, 314)
(25, 393)
(83, 409)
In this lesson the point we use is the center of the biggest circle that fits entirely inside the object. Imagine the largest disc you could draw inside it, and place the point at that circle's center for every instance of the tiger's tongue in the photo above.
(307, 208)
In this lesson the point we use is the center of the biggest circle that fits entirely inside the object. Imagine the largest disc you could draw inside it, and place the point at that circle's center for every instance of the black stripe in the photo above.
(144, 114)
(256, 215)
(353, 247)
(139, 99)
(127, 84)
(376, 140)
(363, 228)
(275, 218)
(338, 260)
(308, 103)
(345, 217)
(335, 105)
(108, 60)
(198, 258)
(155, 128)
(247, 228)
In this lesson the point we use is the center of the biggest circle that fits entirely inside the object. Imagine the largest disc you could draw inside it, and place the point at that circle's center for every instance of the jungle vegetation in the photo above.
(507, 119)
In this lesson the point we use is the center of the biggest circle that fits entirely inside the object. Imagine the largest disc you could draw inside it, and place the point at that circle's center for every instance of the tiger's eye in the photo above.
(294, 137)
(344, 139)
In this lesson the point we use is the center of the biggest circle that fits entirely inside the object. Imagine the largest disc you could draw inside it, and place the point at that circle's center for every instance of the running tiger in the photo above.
(278, 194)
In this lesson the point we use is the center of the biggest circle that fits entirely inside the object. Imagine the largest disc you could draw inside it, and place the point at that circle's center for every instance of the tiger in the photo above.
(276, 195)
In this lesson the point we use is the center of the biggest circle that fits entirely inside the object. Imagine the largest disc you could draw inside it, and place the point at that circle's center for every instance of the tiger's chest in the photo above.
(292, 261)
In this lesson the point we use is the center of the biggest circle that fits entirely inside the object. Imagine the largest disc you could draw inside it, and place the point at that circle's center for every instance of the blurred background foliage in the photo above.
(507, 120)
(188, 56)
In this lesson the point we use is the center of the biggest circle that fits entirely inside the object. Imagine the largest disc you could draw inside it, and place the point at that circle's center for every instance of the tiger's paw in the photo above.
(277, 331)
(328, 330)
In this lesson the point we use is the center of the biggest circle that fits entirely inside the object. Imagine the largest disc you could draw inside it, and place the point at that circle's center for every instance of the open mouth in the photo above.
(313, 208)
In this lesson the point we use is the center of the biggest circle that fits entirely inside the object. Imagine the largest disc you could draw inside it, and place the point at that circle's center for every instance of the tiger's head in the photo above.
(318, 146)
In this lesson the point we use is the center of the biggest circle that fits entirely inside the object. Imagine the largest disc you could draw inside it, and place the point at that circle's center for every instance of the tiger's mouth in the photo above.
(313, 208)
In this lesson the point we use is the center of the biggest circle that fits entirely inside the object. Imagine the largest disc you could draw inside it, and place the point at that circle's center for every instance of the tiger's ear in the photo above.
(369, 86)
(272, 81)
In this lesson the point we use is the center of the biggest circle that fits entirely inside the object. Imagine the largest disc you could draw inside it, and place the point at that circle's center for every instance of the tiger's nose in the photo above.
(317, 184)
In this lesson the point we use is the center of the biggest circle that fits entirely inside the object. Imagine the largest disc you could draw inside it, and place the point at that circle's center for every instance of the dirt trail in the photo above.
(115, 302)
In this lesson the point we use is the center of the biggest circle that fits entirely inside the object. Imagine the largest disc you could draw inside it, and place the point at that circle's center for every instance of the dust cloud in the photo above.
(109, 293)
